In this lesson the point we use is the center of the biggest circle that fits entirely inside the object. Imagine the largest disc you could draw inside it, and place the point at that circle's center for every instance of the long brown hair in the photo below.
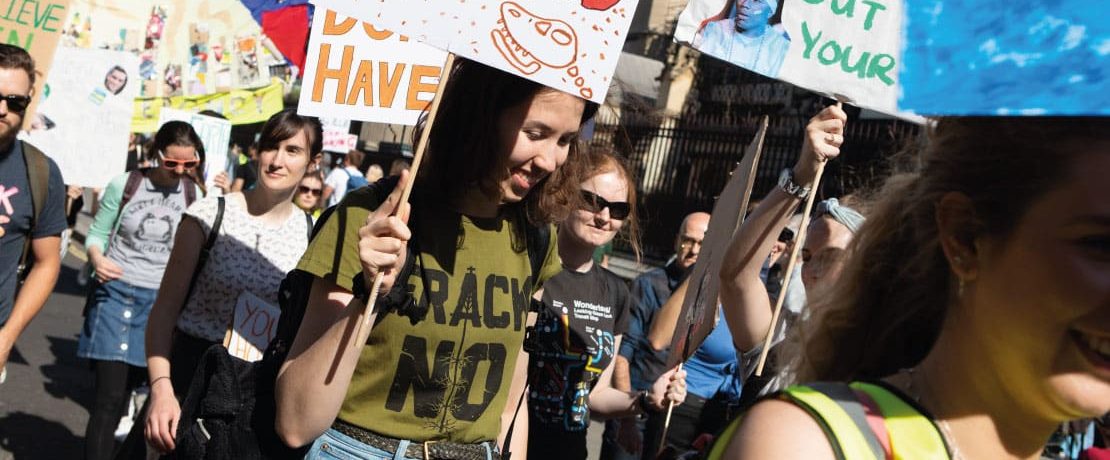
(885, 312)
(463, 150)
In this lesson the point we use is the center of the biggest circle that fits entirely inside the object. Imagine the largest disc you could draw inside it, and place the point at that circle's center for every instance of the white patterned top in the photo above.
(247, 256)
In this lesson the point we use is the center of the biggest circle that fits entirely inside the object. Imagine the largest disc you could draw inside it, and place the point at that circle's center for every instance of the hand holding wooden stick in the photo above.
(824, 135)
(418, 156)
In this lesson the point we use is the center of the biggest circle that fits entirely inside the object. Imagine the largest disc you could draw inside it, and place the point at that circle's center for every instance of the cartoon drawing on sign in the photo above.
(529, 42)
(746, 33)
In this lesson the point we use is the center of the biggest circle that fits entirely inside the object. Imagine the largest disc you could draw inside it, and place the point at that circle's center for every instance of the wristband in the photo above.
(152, 382)
(644, 403)
(787, 184)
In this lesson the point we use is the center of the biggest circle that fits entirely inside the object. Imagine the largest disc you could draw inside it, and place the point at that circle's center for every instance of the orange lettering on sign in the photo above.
(333, 28)
(417, 85)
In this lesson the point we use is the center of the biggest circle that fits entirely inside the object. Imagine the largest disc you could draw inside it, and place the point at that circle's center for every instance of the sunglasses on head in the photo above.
(16, 103)
(314, 191)
(617, 209)
(173, 164)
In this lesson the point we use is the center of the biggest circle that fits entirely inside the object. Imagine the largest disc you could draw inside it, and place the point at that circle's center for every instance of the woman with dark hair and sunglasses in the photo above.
(129, 245)
(260, 237)
(309, 196)
(582, 313)
(441, 373)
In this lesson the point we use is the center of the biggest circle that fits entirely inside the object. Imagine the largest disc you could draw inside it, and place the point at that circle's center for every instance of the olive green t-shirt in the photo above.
(441, 368)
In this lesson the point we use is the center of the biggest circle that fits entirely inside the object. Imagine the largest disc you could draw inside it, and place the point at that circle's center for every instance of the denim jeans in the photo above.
(335, 445)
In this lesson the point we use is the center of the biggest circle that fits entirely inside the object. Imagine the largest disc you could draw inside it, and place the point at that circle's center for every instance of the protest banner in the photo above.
(83, 122)
(1021, 57)
(699, 308)
(846, 49)
(35, 26)
(186, 47)
(359, 72)
(240, 106)
(214, 132)
(571, 46)
(252, 327)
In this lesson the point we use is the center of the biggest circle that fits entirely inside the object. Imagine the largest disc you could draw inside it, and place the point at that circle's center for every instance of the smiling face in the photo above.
(536, 137)
(1039, 303)
(282, 169)
(593, 229)
(115, 80)
(752, 14)
(178, 155)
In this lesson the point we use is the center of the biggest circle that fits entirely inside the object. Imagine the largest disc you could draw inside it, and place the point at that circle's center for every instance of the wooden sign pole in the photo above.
(418, 155)
(791, 266)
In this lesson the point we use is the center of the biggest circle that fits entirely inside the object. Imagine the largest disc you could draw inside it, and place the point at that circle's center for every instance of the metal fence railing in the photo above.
(682, 163)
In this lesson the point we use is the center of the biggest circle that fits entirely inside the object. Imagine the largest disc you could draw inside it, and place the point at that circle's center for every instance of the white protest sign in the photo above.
(214, 132)
(359, 72)
(84, 119)
(337, 137)
(849, 49)
(572, 46)
(253, 325)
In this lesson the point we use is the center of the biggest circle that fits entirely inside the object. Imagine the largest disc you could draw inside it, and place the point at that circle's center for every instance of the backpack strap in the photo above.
(308, 222)
(190, 189)
(134, 181)
(206, 250)
(38, 177)
(537, 241)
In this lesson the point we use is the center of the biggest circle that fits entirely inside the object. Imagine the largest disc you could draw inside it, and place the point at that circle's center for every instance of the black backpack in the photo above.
(230, 408)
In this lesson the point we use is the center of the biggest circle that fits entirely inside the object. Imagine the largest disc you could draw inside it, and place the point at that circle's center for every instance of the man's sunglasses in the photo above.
(617, 209)
(16, 103)
(313, 191)
(173, 164)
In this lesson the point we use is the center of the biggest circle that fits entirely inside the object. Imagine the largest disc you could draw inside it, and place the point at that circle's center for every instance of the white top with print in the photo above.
(247, 256)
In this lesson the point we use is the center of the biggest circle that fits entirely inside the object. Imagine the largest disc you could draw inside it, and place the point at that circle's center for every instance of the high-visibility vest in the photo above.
(896, 430)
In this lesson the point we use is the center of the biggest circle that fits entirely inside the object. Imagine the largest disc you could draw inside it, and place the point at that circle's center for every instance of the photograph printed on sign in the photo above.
(747, 33)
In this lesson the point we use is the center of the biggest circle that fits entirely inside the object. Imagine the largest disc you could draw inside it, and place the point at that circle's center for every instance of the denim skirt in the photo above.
(115, 323)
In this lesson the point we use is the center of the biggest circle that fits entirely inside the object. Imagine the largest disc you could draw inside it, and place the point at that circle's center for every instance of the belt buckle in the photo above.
(426, 444)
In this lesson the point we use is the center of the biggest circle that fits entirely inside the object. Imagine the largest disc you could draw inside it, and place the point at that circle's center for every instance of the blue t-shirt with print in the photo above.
(17, 208)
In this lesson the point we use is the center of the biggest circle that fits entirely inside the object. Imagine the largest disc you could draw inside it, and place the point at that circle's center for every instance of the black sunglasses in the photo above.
(314, 191)
(617, 209)
(16, 103)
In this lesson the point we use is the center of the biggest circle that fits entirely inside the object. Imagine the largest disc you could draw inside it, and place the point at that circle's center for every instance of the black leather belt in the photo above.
(428, 450)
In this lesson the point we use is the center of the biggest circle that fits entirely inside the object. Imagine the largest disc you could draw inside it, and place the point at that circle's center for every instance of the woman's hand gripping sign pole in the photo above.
(824, 140)
(397, 205)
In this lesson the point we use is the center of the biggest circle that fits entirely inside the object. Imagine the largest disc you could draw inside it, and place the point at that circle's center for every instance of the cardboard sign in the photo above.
(83, 122)
(849, 49)
(359, 72)
(252, 327)
(572, 46)
(36, 26)
(241, 106)
(214, 132)
(699, 308)
(992, 57)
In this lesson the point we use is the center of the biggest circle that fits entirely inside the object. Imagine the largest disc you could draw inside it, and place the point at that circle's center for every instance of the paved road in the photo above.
(45, 403)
